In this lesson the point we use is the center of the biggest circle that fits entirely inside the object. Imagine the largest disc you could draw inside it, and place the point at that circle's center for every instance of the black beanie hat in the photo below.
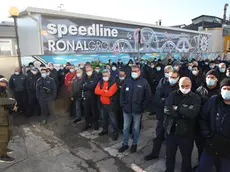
(213, 72)
(225, 82)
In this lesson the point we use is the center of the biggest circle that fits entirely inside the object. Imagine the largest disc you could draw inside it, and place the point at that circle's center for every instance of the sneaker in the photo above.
(44, 122)
(76, 121)
(6, 159)
(123, 148)
(115, 136)
(9, 151)
(133, 149)
(150, 156)
(103, 133)
(86, 127)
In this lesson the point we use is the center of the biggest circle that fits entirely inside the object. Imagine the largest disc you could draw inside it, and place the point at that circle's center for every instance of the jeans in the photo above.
(207, 162)
(106, 114)
(136, 127)
(78, 109)
(185, 145)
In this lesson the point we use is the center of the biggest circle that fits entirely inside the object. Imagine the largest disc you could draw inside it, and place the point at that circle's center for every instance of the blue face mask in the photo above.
(43, 75)
(206, 63)
(16, 73)
(211, 67)
(152, 67)
(228, 75)
(173, 81)
(122, 78)
(166, 75)
(210, 82)
(225, 94)
(134, 75)
(158, 68)
(190, 68)
(176, 67)
(105, 78)
(222, 70)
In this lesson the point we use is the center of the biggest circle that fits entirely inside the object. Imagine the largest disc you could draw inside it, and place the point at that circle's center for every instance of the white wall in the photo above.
(7, 65)
(216, 42)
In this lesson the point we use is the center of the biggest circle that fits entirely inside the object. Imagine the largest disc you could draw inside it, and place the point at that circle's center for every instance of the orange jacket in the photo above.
(68, 79)
(105, 93)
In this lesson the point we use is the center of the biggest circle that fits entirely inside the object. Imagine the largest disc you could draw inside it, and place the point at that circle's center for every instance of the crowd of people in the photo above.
(191, 100)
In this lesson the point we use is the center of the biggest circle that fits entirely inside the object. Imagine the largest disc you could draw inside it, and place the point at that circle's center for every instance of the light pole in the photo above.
(14, 12)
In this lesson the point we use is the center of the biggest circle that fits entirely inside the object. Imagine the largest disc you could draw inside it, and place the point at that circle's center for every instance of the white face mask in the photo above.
(185, 91)
(195, 72)
(34, 72)
(89, 73)
(114, 68)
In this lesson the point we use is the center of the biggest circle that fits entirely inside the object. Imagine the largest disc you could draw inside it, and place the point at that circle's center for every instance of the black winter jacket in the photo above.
(181, 121)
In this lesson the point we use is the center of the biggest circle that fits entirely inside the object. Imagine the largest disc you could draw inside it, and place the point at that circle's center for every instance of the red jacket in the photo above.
(105, 93)
(68, 79)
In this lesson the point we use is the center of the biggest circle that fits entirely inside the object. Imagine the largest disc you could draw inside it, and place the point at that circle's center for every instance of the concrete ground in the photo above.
(60, 146)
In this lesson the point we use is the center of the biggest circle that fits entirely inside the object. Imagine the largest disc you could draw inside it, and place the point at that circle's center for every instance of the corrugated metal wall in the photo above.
(7, 31)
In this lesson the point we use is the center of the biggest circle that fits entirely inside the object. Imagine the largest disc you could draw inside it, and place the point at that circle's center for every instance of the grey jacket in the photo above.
(76, 88)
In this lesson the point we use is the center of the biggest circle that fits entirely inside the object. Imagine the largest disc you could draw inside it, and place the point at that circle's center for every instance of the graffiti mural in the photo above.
(75, 35)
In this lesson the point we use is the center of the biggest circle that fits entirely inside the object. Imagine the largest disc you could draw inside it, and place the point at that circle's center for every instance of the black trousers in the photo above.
(91, 111)
(22, 102)
(160, 137)
(33, 108)
(185, 144)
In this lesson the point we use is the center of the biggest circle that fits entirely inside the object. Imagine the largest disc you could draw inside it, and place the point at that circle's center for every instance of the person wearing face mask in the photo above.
(181, 109)
(98, 72)
(122, 78)
(46, 92)
(120, 64)
(135, 96)
(222, 71)
(205, 66)
(107, 90)
(228, 72)
(114, 71)
(91, 110)
(17, 85)
(53, 73)
(212, 65)
(31, 80)
(215, 130)
(76, 95)
(107, 66)
(177, 67)
(5, 103)
(128, 68)
(187, 70)
(206, 91)
(197, 78)
(210, 88)
(163, 90)
(61, 80)
(68, 81)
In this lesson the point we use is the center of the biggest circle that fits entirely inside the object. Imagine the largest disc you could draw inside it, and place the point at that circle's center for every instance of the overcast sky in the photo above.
(172, 12)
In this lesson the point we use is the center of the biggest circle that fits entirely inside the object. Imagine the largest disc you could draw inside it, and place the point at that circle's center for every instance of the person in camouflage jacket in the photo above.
(5, 104)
